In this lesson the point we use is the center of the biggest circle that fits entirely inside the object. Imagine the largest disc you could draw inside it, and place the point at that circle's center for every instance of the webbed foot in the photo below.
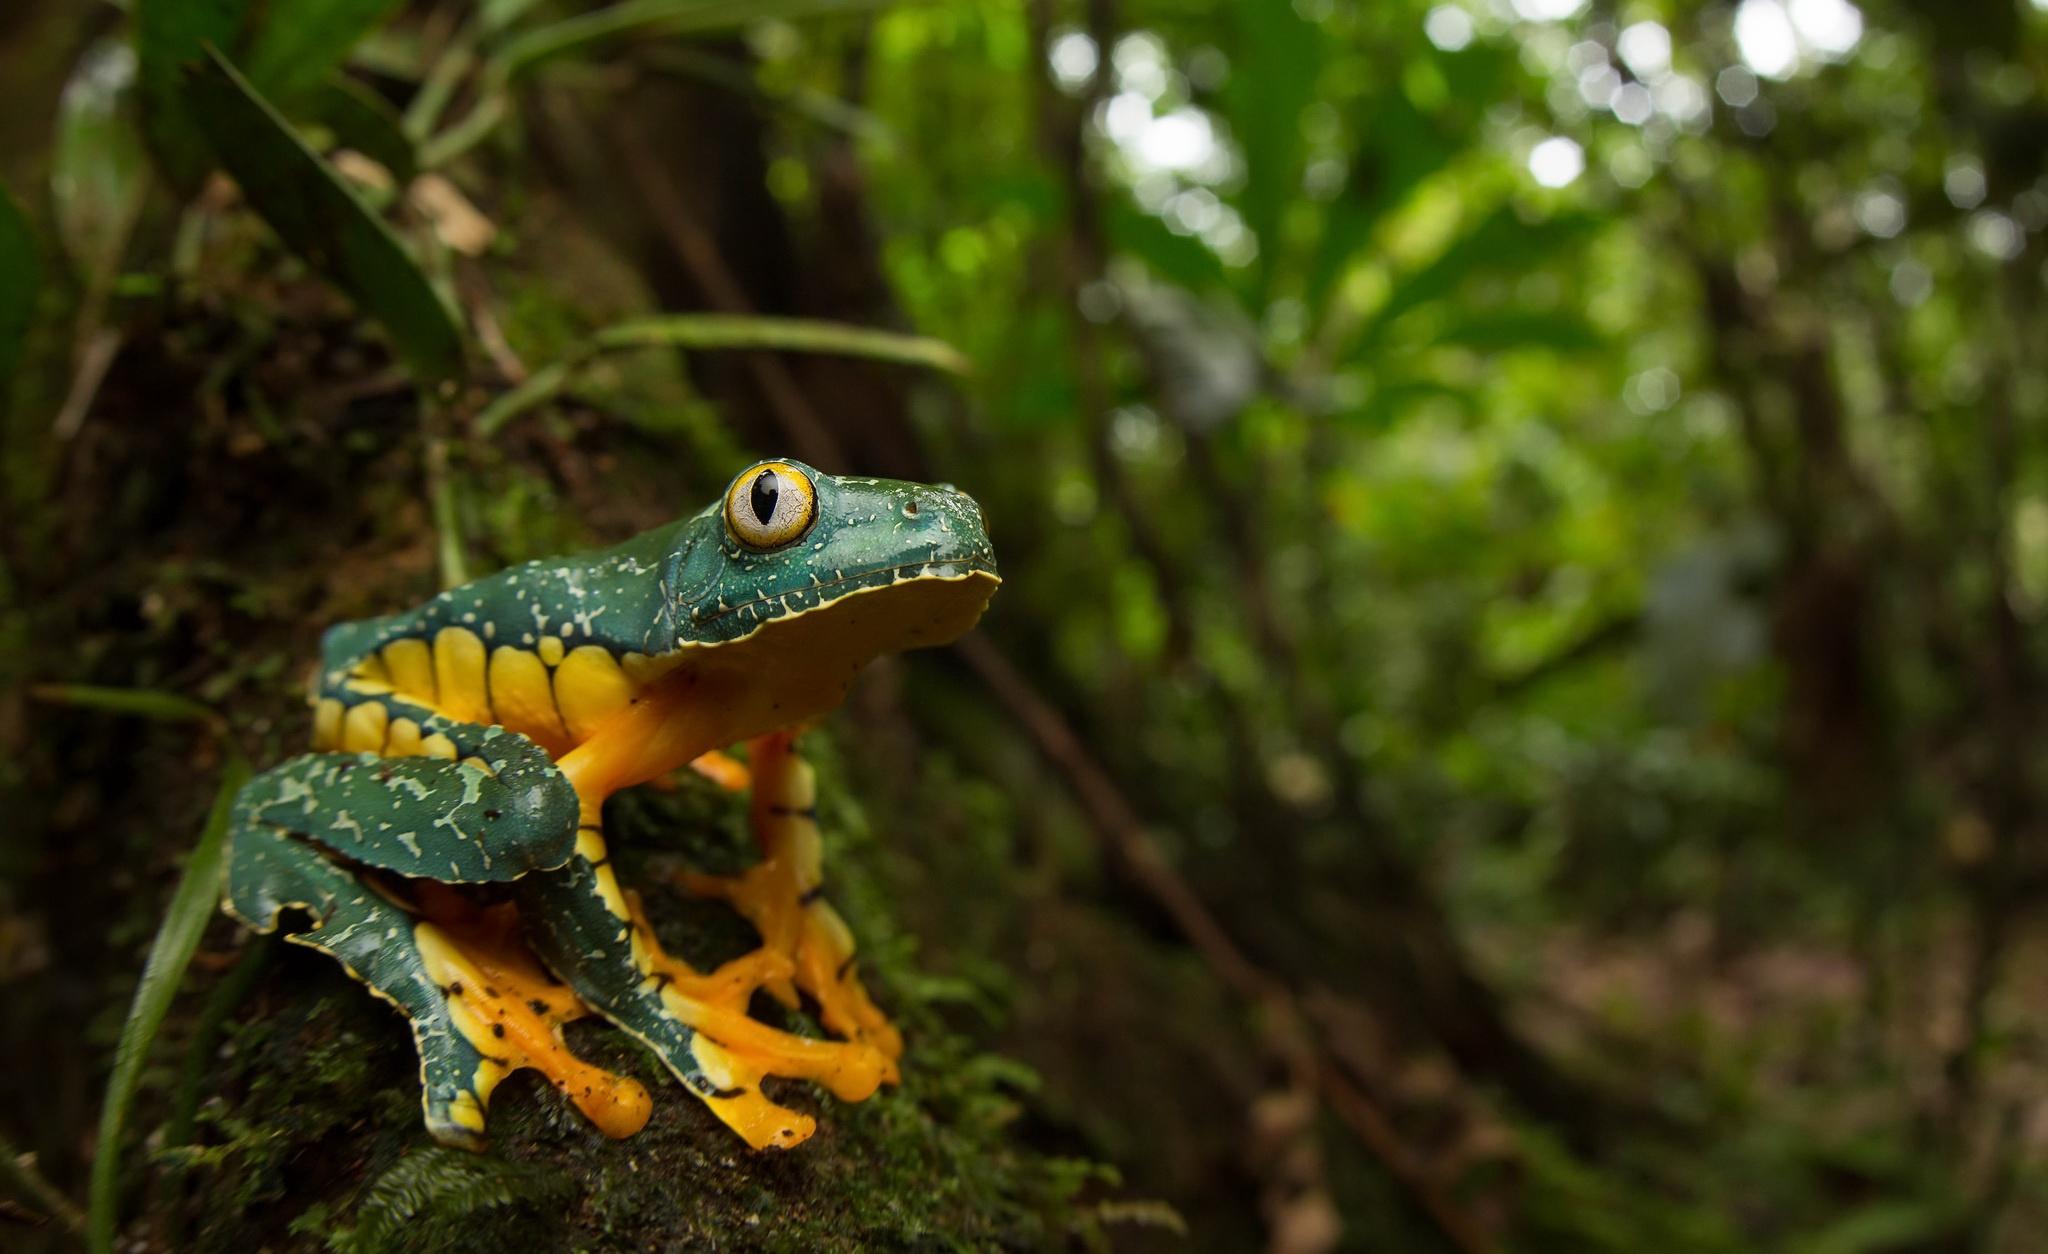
(597, 937)
(511, 1011)
(783, 897)
(479, 1005)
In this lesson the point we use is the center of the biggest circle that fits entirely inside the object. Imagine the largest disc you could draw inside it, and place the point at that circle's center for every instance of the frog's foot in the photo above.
(480, 1007)
(783, 897)
(596, 937)
(797, 925)
(512, 1011)
(714, 1004)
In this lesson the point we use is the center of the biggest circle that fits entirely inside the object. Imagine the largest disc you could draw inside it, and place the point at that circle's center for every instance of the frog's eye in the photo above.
(770, 506)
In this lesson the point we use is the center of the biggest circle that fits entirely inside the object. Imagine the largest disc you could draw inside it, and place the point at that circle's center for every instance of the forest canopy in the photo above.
(1510, 722)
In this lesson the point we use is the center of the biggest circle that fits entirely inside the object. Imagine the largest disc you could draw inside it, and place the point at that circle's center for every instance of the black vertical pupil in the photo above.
(767, 487)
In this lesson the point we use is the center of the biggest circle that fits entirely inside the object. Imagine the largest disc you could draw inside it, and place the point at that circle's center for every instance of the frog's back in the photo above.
(546, 648)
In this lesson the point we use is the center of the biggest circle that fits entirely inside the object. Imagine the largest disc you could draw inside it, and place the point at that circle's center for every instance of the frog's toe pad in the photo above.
(457, 1119)
(731, 1087)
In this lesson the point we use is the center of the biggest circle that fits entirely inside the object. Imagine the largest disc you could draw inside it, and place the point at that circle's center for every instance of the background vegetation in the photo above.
(1513, 719)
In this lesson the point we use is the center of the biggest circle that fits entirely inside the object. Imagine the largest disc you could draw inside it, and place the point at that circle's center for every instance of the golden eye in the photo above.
(770, 506)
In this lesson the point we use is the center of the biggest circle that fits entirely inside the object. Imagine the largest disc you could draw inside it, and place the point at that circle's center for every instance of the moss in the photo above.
(313, 1134)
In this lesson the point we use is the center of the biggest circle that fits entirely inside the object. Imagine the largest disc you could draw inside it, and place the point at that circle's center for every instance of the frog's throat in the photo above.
(787, 671)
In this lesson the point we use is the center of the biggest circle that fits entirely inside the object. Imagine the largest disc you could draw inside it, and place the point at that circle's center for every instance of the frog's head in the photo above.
(805, 577)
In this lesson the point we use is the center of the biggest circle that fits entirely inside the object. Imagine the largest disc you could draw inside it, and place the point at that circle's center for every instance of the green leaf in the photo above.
(1557, 330)
(1400, 147)
(542, 386)
(141, 702)
(192, 904)
(1888, 1224)
(496, 15)
(98, 168)
(1180, 259)
(797, 334)
(301, 42)
(663, 17)
(1277, 62)
(1389, 402)
(170, 37)
(722, 331)
(321, 219)
(365, 121)
(1500, 241)
(20, 280)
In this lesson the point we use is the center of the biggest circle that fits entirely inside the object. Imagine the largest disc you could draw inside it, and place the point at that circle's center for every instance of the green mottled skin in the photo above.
(691, 583)
(306, 832)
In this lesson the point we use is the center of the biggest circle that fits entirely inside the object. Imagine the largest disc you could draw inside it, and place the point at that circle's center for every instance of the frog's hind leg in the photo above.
(594, 935)
(783, 897)
(373, 939)
(479, 1007)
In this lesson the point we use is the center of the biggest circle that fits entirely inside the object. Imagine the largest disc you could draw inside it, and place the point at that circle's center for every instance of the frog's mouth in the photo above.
(797, 664)
(820, 595)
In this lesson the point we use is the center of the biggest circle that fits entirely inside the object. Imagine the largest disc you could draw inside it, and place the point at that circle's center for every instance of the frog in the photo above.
(444, 838)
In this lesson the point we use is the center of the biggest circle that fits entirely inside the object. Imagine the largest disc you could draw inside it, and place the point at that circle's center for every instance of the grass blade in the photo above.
(661, 17)
(797, 334)
(192, 905)
(220, 1003)
(26, 1174)
(141, 702)
(542, 386)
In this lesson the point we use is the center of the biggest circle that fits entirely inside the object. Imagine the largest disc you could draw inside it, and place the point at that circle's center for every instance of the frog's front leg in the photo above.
(783, 897)
(480, 1006)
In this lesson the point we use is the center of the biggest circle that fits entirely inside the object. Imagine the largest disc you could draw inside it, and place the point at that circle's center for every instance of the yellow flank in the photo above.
(372, 669)
(589, 689)
(550, 650)
(404, 741)
(459, 676)
(363, 728)
(411, 665)
(522, 698)
(326, 725)
(438, 746)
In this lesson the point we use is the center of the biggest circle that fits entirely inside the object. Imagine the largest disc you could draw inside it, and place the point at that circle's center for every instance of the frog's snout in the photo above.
(943, 501)
(946, 524)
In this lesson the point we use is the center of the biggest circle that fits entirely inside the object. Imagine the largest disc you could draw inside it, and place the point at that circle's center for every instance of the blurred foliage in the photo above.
(1511, 719)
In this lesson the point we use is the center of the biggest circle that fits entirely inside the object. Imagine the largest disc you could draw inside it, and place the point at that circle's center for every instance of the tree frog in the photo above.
(474, 740)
